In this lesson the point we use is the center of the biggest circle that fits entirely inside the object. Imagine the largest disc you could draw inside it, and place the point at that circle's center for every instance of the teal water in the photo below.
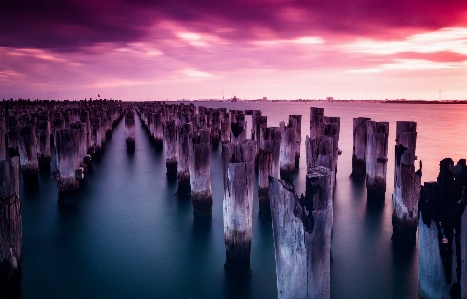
(129, 236)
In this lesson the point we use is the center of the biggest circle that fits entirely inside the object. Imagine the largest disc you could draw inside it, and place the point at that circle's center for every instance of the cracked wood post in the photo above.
(183, 164)
(359, 146)
(171, 147)
(298, 138)
(130, 129)
(158, 130)
(332, 129)
(3, 134)
(68, 171)
(316, 121)
(260, 125)
(238, 128)
(12, 133)
(406, 185)
(225, 127)
(376, 158)
(43, 145)
(84, 118)
(11, 235)
(239, 177)
(268, 165)
(96, 136)
(442, 234)
(28, 155)
(84, 157)
(215, 128)
(302, 230)
(200, 174)
(287, 153)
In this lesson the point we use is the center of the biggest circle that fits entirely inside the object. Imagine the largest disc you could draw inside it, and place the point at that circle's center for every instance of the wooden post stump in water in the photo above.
(3, 135)
(406, 185)
(28, 155)
(11, 235)
(316, 121)
(287, 153)
(238, 128)
(171, 148)
(130, 130)
(239, 176)
(359, 147)
(13, 132)
(268, 165)
(376, 158)
(302, 230)
(225, 127)
(200, 174)
(215, 128)
(442, 234)
(158, 131)
(183, 164)
(298, 138)
(68, 172)
(43, 145)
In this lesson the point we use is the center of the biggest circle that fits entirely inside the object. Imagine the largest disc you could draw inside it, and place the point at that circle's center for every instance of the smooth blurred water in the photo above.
(129, 236)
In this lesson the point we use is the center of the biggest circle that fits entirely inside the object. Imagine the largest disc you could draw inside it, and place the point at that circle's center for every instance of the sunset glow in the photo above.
(139, 50)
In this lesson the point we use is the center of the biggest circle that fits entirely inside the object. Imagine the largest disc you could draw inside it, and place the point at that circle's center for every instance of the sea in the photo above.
(129, 236)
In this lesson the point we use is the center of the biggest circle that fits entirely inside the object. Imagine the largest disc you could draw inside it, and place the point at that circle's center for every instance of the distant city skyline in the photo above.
(172, 50)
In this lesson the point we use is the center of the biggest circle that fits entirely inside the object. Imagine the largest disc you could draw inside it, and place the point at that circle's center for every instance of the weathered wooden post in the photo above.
(96, 136)
(287, 153)
(239, 176)
(406, 185)
(376, 158)
(268, 165)
(158, 131)
(215, 128)
(130, 130)
(225, 127)
(11, 234)
(43, 145)
(3, 135)
(442, 234)
(183, 164)
(238, 128)
(319, 152)
(302, 229)
(200, 174)
(68, 172)
(298, 138)
(84, 157)
(171, 147)
(13, 132)
(28, 155)
(316, 121)
(359, 146)
(332, 129)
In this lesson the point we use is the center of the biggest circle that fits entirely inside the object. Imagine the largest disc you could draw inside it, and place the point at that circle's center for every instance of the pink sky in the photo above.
(157, 50)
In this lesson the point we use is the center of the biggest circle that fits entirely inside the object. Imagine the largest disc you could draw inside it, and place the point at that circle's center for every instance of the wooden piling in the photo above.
(302, 230)
(268, 165)
(298, 138)
(359, 146)
(442, 234)
(183, 164)
(12, 133)
(158, 130)
(11, 235)
(171, 147)
(43, 145)
(238, 128)
(130, 129)
(406, 185)
(28, 155)
(239, 176)
(225, 127)
(200, 174)
(287, 152)
(3, 135)
(376, 158)
(316, 121)
(68, 172)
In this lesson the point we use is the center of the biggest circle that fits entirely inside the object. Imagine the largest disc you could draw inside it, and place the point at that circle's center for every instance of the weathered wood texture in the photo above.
(376, 158)
(200, 173)
(28, 155)
(68, 172)
(183, 164)
(442, 234)
(406, 185)
(171, 147)
(3, 134)
(359, 148)
(287, 152)
(316, 121)
(43, 145)
(268, 165)
(13, 128)
(239, 176)
(298, 138)
(238, 128)
(302, 230)
(11, 235)
(130, 129)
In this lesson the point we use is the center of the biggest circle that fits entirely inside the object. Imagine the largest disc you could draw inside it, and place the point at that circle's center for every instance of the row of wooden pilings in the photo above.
(28, 131)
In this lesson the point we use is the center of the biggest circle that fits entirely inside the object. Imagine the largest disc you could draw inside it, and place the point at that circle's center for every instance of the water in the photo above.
(131, 237)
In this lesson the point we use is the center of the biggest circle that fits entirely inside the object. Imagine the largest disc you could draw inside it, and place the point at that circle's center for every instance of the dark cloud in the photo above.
(66, 25)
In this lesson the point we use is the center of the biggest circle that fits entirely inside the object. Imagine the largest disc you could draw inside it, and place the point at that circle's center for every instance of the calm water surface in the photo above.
(129, 236)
